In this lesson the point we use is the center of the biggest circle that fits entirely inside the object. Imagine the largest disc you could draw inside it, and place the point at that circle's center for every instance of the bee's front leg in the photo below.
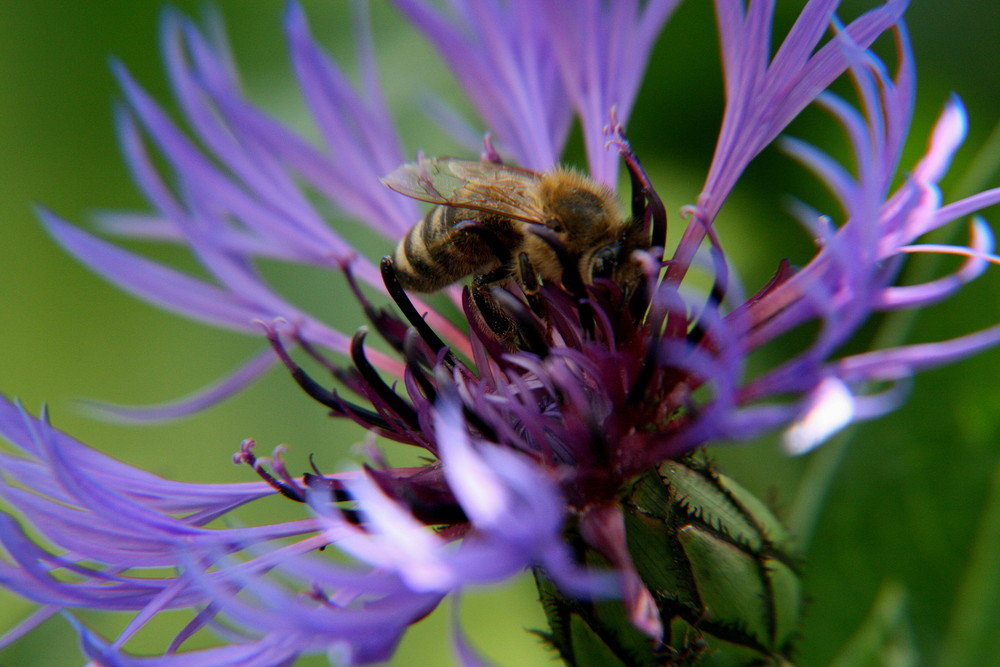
(531, 287)
(506, 316)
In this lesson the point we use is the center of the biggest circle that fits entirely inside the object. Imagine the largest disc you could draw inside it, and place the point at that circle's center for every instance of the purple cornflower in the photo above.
(528, 438)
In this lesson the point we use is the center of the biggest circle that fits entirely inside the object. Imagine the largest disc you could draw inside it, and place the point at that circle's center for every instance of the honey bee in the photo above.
(486, 220)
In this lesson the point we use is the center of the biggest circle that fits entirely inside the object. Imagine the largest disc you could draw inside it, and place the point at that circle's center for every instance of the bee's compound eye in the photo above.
(604, 261)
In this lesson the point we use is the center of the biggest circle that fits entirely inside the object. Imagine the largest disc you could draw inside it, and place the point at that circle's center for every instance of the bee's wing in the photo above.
(483, 186)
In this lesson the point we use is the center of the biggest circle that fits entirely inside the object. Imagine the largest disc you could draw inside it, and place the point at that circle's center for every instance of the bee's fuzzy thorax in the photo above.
(565, 181)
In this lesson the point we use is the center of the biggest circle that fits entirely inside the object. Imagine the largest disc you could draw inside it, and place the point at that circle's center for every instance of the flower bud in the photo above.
(719, 565)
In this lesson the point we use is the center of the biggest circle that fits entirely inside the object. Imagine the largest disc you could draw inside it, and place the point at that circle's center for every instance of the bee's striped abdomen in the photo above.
(434, 254)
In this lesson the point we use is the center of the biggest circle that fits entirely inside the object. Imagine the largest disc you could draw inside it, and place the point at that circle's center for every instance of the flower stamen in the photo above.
(286, 485)
(388, 397)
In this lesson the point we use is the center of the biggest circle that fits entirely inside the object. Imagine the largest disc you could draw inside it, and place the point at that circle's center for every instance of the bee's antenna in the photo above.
(571, 278)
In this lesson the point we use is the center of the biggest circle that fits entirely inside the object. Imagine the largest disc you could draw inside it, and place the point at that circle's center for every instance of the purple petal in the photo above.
(214, 393)
(358, 132)
(763, 97)
(151, 281)
(902, 362)
(979, 257)
(502, 56)
(269, 652)
(603, 49)
(949, 133)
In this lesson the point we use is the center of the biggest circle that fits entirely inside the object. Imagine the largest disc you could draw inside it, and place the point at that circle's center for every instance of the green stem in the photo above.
(975, 603)
(885, 638)
(814, 488)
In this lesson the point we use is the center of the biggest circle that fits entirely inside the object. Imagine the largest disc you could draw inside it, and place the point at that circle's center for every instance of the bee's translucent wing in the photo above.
(483, 186)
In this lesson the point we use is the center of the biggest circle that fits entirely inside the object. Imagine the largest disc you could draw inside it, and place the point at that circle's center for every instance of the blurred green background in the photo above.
(907, 498)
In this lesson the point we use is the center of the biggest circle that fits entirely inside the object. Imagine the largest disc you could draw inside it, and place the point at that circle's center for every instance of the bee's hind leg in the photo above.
(492, 314)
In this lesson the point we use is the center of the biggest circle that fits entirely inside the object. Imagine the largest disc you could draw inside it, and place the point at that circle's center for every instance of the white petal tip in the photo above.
(830, 408)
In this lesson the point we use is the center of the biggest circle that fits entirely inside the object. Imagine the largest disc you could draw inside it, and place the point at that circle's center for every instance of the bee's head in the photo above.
(613, 260)
(605, 262)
